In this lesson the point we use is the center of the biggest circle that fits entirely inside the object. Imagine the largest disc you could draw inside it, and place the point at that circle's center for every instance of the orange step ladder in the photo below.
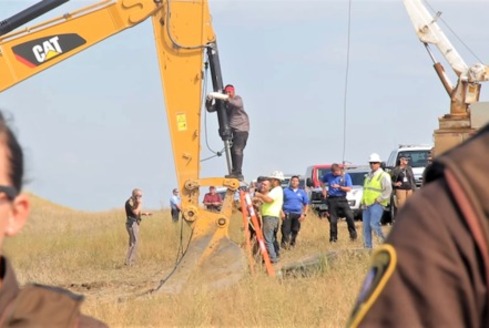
(249, 214)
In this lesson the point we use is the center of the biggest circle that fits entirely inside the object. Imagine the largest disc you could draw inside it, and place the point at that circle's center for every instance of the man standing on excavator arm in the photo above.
(433, 270)
(239, 124)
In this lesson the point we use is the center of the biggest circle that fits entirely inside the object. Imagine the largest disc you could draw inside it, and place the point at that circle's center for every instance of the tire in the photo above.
(392, 212)
(386, 218)
(357, 216)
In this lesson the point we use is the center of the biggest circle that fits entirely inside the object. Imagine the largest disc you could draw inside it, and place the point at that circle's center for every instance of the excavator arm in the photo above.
(183, 34)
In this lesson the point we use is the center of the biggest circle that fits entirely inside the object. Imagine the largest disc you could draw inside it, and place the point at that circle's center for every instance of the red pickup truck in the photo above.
(313, 177)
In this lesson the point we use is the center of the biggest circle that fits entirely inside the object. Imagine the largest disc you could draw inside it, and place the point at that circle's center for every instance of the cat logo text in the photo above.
(36, 52)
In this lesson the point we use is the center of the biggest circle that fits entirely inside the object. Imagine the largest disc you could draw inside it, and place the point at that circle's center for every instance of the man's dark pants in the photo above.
(290, 229)
(239, 143)
(335, 204)
(175, 214)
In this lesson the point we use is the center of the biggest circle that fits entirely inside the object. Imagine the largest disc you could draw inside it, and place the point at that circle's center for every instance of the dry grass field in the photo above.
(84, 252)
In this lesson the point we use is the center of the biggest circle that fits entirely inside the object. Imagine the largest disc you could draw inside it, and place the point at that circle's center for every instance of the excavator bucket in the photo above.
(212, 260)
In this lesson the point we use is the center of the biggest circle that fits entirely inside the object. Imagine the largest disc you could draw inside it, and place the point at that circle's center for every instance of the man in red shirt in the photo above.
(212, 200)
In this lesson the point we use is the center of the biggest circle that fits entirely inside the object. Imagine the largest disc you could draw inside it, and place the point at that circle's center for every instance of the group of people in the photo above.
(289, 206)
(377, 191)
(276, 205)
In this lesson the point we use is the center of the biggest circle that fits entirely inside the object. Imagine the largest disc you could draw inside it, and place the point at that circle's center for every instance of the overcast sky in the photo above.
(94, 126)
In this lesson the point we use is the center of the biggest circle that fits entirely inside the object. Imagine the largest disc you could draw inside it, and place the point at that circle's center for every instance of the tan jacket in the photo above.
(39, 306)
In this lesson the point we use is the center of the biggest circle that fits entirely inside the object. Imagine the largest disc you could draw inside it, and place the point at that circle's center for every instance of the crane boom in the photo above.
(456, 126)
(428, 31)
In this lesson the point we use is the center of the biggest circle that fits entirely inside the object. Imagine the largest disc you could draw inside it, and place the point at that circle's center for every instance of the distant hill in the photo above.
(40, 204)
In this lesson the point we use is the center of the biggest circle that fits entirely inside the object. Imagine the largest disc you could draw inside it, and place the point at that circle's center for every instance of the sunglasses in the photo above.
(9, 191)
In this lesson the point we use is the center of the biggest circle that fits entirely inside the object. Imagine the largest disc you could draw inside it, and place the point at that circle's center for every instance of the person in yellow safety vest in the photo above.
(377, 190)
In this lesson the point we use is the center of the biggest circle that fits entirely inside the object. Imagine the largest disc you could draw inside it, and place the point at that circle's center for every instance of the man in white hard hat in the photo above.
(271, 211)
(377, 190)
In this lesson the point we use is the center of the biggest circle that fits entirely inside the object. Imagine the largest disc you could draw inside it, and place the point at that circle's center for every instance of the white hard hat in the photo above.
(279, 175)
(374, 158)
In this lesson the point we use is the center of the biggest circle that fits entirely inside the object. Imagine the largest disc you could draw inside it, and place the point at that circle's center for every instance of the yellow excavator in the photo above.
(184, 39)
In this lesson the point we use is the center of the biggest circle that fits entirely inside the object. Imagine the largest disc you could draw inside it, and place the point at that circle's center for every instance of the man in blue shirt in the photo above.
(339, 183)
(294, 211)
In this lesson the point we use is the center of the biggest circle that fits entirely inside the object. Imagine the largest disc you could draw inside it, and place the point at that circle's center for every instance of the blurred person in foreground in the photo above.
(433, 270)
(33, 305)
(134, 212)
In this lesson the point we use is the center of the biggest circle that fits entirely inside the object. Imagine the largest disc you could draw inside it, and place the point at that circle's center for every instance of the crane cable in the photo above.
(455, 34)
(346, 81)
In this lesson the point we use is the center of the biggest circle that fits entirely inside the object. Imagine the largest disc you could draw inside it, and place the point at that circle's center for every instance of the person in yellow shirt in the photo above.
(271, 211)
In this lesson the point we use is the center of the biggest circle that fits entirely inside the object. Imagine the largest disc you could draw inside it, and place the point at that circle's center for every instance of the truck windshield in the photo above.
(322, 172)
(417, 158)
(357, 178)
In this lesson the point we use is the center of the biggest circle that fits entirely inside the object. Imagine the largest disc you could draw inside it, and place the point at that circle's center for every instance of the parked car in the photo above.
(221, 191)
(236, 197)
(357, 174)
(313, 176)
(314, 173)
